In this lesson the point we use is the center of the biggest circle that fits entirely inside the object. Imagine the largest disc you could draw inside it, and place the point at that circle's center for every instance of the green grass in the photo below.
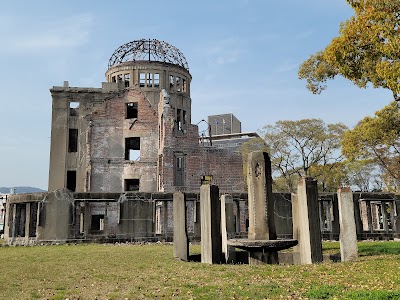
(149, 271)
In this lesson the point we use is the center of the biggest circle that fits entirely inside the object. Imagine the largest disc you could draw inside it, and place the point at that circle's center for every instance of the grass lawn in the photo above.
(96, 271)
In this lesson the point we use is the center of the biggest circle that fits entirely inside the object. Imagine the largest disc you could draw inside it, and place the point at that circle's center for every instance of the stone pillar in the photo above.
(385, 217)
(261, 202)
(27, 220)
(210, 214)
(348, 233)
(227, 227)
(261, 205)
(306, 222)
(181, 242)
(369, 216)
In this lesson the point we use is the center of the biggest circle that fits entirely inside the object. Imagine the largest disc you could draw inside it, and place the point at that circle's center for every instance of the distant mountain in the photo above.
(21, 190)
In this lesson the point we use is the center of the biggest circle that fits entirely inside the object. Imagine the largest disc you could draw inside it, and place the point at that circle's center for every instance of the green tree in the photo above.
(296, 146)
(377, 138)
(363, 174)
(367, 51)
(329, 176)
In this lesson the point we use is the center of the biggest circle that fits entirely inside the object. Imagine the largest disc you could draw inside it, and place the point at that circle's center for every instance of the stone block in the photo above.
(210, 215)
(181, 241)
(348, 233)
(227, 227)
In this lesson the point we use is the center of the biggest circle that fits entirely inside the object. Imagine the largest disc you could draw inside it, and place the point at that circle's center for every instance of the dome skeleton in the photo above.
(151, 50)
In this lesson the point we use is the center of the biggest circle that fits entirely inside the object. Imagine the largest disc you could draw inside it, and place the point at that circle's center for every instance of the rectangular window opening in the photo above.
(97, 223)
(179, 170)
(73, 140)
(156, 80)
(178, 83)
(142, 79)
(149, 79)
(132, 148)
(127, 78)
(74, 109)
(179, 119)
(71, 180)
(131, 110)
(171, 81)
(119, 77)
(113, 79)
(132, 185)
(184, 85)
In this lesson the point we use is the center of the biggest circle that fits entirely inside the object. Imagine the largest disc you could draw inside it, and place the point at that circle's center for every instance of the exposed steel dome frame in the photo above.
(148, 50)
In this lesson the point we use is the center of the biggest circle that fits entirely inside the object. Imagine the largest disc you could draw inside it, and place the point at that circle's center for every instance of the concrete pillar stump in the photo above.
(227, 227)
(210, 214)
(348, 232)
(306, 222)
(181, 241)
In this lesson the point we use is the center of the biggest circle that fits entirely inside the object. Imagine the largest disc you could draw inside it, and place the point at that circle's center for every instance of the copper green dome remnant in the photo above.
(148, 50)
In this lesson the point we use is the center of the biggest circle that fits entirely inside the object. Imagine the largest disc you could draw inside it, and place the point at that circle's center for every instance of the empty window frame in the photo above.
(156, 80)
(149, 79)
(179, 119)
(73, 140)
(113, 79)
(127, 78)
(97, 223)
(171, 81)
(71, 180)
(142, 79)
(132, 148)
(132, 185)
(178, 83)
(73, 109)
(184, 88)
(131, 110)
(179, 169)
(119, 77)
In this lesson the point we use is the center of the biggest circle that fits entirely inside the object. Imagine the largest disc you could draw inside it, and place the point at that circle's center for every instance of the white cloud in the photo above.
(26, 35)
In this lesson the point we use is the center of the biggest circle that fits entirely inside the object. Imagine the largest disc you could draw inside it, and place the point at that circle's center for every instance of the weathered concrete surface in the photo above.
(261, 206)
(261, 203)
(181, 241)
(227, 227)
(210, 212)
(348, 234)
(306, 222)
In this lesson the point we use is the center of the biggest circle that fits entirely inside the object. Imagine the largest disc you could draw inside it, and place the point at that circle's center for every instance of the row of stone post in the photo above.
(305, 217)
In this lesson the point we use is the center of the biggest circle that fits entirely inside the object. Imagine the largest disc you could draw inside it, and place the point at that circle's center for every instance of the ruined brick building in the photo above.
(135, 132)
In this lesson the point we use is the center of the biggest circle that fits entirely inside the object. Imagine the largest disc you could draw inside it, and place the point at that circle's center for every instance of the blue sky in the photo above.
(243, 56)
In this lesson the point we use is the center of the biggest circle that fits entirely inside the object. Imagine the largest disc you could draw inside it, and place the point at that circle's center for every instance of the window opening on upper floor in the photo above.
(142, 79)
(171, 81)
(178, 83)
(132, 185)
(184, 87)
(132, 148)
(127, 78)
(179, 119)
(149, 79)
(113, 79)
(179, 169)
(73, 140)
(184, 117)
(74, 109)
(71, 180)
(119, 77)
(156, 80)
(131, 110)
